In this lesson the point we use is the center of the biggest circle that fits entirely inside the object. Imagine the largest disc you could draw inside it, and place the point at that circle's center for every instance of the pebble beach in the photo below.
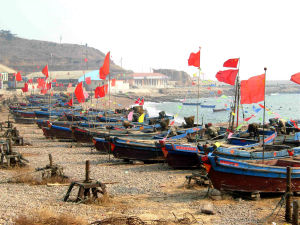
(148, 191)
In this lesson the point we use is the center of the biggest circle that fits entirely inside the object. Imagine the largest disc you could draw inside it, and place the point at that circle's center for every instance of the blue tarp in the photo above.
(94, 75)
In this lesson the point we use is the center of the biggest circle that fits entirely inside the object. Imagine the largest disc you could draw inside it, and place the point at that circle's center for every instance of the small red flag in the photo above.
(194, 59)
(113, 82)
(219, 92)
(57, 84)
(137, 101)
(141, 102)
(79, 93)
(45, 71)
(18, 76)
(69, 85)
(54, 80)
(104, 70)
(30, 81)
(193, 83)
(85, 59)
(48, 86)
(253, 89)
(227, 76)
(25, 88)
(70, 103)
(231, 63)
(296, 78)
(88, 80)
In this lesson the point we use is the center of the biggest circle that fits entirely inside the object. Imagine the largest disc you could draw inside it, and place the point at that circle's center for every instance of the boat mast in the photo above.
(264, 114)
(109, 146)
(236, 97)
(198, 94)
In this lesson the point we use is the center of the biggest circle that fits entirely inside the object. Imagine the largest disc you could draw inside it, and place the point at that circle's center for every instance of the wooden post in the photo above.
(87, 171)
(50, 160)
(9, 150)
(288, 203)
(295, 212)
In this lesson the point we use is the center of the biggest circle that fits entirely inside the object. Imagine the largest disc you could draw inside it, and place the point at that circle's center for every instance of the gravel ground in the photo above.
(141, 189)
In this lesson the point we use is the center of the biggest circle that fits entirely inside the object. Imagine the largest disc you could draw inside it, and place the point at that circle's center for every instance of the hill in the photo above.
(32, 55)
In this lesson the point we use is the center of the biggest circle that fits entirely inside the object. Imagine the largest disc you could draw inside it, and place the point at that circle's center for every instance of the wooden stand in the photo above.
(52, 170)
(86, 187)
(12, 158)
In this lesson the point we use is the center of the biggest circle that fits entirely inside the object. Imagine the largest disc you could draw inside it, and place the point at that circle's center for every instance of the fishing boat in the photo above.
(191, 103)
(186, 155)
(255, 176)
(207, 106)
(219, 110)
(58, 132)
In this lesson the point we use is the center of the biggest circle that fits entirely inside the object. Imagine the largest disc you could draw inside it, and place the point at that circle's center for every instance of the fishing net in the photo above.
(188, 219)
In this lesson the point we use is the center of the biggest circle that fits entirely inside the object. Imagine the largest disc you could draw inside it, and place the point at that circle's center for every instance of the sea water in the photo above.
(286, 106)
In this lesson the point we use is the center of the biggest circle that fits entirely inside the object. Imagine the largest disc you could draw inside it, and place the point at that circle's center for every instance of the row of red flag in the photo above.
(252, 90)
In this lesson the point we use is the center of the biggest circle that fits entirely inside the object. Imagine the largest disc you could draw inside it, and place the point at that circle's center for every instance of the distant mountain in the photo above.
(31, 55)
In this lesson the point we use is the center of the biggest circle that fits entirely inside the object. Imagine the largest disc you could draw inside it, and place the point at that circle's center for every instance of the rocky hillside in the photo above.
(31, 55)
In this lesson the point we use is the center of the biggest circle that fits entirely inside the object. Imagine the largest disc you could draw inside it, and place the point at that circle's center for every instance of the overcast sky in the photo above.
(162, 33)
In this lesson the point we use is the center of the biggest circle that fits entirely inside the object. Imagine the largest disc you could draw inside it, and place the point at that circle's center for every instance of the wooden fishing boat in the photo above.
(207, 106)
(191, 103)
(256, 176)
(220, 110)
(101, 144)
(58, 132)
(186, 155)
(146, 150)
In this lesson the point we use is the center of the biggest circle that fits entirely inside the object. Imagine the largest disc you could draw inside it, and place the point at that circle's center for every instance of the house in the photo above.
(157, 80)
(7, 76)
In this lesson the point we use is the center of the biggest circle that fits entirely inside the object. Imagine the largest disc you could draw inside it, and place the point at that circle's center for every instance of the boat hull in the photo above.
(137, 151)
(233, 175)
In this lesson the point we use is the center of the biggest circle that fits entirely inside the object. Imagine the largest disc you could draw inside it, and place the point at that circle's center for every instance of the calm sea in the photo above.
(280, 105)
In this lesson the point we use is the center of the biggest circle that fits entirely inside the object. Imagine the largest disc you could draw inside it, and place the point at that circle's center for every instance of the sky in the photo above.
(148, 34)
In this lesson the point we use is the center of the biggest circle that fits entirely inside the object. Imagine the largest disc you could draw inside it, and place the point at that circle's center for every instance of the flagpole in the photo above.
(108, 109)
(198, 95)
(264, 114)
(235, 98)
(238, 95)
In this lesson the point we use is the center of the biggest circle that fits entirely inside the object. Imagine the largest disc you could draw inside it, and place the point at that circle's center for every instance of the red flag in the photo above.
(104, 70)
(30, 81)
(100, 92)
(57, 84)
(70, 103)
(54, 80)
(97, 92)
(85, 59)
(88, 80)
(45, 71)
(137, 101)
(296, 78)
(25, 88)
(48, 87)
(193, 83)
(219, 92)
(113, 82)
(79, 93)
(69, 85)
(43, 91)
(253, 89)
(231, 63)
(227, 76)
(18, 76)
(141, 102)
(194, 59)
